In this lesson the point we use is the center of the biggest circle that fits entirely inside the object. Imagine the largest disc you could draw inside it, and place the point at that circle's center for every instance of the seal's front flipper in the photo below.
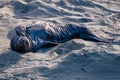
(20, 30)
(43, 44)
(49, 44)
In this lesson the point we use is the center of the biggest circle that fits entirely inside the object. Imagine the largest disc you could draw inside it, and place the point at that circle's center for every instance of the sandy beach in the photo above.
(76, 59)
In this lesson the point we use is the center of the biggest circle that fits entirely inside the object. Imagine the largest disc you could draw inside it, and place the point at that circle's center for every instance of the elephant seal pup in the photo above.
(35, 36)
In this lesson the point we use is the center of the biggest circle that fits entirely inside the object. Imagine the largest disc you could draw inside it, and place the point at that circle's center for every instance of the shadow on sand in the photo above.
(87, 66)
(7, 59)
(11, 34)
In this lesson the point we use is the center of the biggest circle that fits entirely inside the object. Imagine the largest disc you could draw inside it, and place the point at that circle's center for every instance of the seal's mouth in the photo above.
(21, 44)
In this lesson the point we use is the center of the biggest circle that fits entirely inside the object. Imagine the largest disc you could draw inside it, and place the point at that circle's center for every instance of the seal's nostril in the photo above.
(23, 40)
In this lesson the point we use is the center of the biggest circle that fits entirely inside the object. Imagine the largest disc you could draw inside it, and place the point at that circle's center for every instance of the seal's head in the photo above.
(20, 44)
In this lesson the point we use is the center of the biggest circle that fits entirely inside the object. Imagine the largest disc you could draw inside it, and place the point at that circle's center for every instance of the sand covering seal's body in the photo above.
(36, 36)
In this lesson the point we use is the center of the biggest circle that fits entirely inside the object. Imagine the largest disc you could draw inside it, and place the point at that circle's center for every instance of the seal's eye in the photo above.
(20, 44)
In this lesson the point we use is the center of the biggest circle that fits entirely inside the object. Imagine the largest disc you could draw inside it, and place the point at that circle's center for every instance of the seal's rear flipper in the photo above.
(20, 30)
(95, 38)
(116, 42)
(88, 35)
(108, 40)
